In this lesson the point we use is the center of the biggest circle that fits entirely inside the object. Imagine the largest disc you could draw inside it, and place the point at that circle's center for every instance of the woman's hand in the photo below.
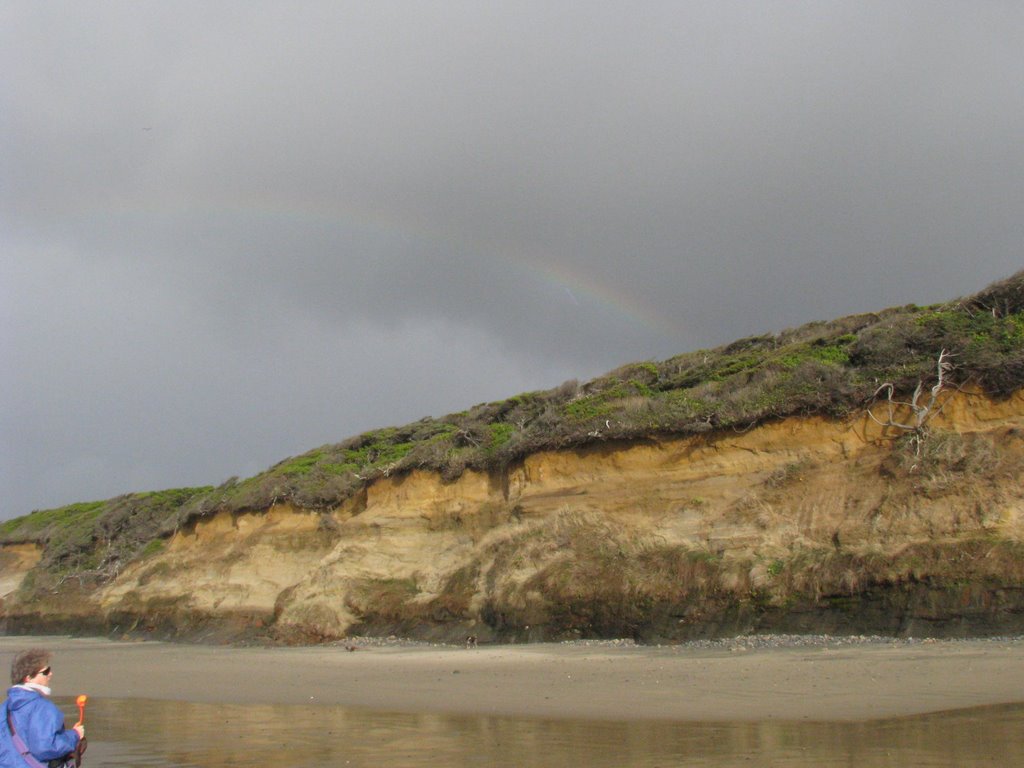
(79, 729)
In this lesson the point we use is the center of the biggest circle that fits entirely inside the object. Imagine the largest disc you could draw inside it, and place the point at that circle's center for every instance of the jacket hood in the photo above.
(19, 697)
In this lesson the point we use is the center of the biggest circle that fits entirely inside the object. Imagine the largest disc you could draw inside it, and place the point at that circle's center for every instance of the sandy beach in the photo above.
(833, 681)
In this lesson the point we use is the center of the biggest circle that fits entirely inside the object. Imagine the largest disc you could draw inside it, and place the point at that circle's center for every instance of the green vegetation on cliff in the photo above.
(828, 368)
(92, 541)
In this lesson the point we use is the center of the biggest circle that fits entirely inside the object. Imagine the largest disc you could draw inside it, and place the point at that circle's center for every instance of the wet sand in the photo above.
(833, 682)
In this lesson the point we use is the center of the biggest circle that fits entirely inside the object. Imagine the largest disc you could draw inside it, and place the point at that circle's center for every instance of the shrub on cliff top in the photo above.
(830, 368)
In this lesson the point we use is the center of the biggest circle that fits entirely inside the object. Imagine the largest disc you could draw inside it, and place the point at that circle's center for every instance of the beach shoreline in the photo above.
(832, 679)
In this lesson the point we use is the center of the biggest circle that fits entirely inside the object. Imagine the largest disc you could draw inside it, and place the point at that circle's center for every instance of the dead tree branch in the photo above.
(921, 412)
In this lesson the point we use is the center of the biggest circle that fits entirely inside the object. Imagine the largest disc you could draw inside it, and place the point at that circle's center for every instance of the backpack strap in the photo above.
(19, 744)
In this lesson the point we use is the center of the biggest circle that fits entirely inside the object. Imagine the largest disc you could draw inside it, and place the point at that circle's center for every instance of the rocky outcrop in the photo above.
(806, 524)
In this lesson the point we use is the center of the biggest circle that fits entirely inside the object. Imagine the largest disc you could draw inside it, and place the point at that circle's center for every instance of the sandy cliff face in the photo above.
(806, 523)
(16, 560)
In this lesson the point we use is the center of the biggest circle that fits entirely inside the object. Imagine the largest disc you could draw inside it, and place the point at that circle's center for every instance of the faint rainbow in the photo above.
(581, 285)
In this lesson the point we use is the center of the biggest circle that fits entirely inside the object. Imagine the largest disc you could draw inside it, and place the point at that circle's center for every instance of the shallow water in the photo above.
(136, 732)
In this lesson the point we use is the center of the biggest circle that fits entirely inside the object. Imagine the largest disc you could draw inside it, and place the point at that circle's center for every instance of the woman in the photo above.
(34, 724)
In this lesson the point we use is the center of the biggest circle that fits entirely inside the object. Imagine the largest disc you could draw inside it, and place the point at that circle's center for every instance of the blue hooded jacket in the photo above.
(39, 722)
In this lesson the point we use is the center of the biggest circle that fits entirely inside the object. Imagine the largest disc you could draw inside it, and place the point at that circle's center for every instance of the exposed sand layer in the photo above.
(806, 524)
(834, 682)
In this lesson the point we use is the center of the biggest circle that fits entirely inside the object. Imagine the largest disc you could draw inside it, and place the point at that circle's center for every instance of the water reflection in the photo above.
(186, 735)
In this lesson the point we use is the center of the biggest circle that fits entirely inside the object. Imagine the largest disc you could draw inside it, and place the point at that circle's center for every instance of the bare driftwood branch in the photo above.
(920, 411)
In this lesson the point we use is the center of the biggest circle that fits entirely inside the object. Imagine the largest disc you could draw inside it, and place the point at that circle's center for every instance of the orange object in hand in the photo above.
(80, 701)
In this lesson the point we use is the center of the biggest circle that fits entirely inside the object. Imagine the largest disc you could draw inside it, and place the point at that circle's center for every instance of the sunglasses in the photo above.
(44, 671)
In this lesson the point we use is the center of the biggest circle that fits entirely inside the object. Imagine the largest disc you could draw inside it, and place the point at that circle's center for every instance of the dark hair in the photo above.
(28, 663)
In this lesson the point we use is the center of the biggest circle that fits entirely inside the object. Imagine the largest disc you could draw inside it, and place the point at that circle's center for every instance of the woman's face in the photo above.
(42, 677)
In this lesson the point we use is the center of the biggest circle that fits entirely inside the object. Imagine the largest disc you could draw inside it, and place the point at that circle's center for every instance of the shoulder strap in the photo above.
(19, 744)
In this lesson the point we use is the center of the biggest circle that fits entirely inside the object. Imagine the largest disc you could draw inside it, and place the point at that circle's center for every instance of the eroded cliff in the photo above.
(802, 524)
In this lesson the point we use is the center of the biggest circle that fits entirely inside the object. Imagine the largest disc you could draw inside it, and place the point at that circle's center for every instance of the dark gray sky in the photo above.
(234, 231)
